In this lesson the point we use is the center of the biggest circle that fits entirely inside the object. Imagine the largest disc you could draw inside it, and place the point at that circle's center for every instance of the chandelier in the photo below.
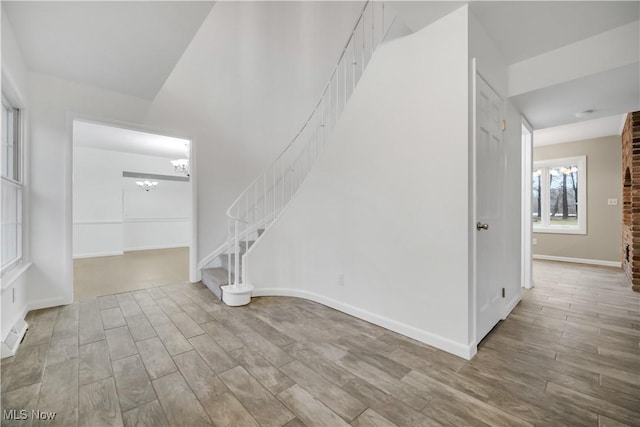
(147, 185)
(181, 166)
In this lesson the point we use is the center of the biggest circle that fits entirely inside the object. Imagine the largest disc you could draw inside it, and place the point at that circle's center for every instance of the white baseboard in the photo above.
(32, 305)
(155, 247)
(12, 341)
(45, 303)
(511, 305)
(98, 254)
(20, 316)
(579, 260)
(462, 350)
(139, 248)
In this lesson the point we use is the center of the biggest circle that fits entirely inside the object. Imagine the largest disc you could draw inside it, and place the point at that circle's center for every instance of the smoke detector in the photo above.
(585, 113)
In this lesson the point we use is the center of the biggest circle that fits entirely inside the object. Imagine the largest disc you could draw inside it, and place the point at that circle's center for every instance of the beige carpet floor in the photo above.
(93, 277)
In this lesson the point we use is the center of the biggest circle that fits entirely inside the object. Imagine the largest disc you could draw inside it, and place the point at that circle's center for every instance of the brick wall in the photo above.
(631, 199)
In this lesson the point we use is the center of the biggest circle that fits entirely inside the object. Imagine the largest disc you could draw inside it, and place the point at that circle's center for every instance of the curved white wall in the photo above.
(386, 206)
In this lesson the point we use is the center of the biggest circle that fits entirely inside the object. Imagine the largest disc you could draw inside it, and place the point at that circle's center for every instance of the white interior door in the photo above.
(490, 171)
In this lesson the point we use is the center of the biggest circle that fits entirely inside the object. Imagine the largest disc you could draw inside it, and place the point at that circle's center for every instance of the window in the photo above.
(559, 188)
(11, 189)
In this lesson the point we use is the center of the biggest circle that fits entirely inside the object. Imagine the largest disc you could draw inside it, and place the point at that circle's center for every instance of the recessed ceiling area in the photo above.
(95, 135)
(612, 92)
(129, 47)
(588, 129)
(526, 29)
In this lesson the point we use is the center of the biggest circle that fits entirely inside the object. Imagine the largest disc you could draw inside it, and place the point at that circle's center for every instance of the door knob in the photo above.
(481, 226)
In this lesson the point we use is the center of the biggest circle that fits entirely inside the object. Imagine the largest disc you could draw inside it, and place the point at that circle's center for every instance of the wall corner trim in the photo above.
(465, 351)
(604, 263)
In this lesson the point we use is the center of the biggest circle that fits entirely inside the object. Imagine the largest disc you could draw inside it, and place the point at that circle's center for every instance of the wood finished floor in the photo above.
(568, 355)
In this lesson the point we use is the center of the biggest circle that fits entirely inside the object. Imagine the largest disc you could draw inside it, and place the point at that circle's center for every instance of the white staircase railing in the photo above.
(265, 198)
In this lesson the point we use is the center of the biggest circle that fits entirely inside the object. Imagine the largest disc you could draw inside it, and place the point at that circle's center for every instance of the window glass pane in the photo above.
(536, 203)
(11, 223)
(10, 152)
(563, 196)
(11, 192)
(5, 139)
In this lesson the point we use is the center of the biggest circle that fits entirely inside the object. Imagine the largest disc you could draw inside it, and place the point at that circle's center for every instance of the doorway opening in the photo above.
(132, 210)
(527, 231)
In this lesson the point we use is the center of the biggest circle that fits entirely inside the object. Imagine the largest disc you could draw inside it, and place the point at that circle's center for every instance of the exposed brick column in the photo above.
(631, 199)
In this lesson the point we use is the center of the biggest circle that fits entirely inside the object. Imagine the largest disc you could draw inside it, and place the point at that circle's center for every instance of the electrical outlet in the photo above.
(340, 279)
(612, 202)
(534, 241)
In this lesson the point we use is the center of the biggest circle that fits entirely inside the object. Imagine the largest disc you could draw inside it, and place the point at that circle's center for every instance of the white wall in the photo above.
(13, 296)
(111, 214)
(158, 218)
(54, 104)
(489, 61)
(243, 88)
(14, 71)
(387, 204)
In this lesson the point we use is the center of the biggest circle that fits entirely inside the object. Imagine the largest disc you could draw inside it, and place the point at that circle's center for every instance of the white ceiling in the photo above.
(612, 92)
(419, 14)
(524, 29)
(588, 129)
(126, 46)
(94, 135)
(132, 46)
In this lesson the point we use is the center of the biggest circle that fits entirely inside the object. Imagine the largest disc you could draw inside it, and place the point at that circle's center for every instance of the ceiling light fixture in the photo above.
(147, 185)
(181, 166)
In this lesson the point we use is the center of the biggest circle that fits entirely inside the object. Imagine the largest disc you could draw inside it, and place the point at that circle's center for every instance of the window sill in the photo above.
(559, 230)
(11, 275)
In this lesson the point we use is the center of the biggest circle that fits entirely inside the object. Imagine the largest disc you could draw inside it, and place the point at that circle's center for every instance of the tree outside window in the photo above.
(559, 196)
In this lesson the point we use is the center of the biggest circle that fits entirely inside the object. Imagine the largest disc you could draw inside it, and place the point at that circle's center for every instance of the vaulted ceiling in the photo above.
(126, 46)
(132, 46)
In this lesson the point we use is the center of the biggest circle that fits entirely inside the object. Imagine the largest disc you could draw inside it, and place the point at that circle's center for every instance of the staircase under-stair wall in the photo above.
(261, 203)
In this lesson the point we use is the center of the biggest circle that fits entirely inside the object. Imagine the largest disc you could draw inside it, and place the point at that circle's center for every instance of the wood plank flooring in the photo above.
(569, 354)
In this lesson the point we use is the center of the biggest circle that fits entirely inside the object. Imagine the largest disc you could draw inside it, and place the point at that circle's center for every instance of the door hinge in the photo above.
(503, 293)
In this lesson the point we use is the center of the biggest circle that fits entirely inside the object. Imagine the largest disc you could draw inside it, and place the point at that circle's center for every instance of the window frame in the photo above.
(544, 226)
(17, 182)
